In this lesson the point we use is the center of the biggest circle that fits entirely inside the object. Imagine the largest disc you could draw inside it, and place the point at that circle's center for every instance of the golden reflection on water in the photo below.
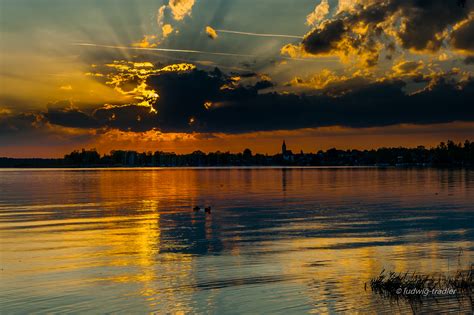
(128, 241)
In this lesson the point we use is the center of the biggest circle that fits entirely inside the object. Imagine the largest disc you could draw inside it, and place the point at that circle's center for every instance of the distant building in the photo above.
(287, 155)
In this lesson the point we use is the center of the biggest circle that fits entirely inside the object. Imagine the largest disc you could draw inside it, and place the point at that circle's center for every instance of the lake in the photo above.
(278, 240)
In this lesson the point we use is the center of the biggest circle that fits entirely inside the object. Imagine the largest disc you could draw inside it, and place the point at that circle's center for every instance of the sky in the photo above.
(186, 75)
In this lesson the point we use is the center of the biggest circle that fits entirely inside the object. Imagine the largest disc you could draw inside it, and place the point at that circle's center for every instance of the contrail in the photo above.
(165, 50)
(195, 52)
(259, 34)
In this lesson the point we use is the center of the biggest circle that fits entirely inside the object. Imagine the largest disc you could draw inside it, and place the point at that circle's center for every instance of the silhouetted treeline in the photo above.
(31, 162)
(445, 154)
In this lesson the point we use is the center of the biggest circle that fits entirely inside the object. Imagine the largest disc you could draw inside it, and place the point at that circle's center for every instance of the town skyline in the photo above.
(445, 154)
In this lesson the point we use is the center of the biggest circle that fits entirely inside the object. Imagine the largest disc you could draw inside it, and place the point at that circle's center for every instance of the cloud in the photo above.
(325, 39)
(407, 67)
(363, 28)
(211, 102)
(31, 133)
(263, 84)
(66, 87)
(319, 13)
(70, 117)
(443, 57)
(160, 15)
(469, 60)
(294, 51)
(330, 81)
(351, 5)
(181, 8)
(463, 35)
(413, 73)
(129, 79)
(148, 41)
(211, 32)
(424, 23)
(5, 111)
(11, 124)
(166, 29)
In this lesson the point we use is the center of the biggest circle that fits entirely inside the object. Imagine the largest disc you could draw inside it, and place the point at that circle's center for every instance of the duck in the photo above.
(208, 209)
(196, 208)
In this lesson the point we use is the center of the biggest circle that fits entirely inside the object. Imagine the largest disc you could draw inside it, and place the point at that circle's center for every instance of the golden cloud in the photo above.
(66, 87)
(361, 30)
(167, 29)
(462, 34)
(5, 111)
(148, 41)
(318, 81)
(295, 51)
(319, 13)
(211, 32)
(129, 79)
(181, 8)
(404, 68)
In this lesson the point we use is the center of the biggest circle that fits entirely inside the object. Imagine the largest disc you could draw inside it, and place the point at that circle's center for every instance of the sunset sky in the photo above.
(183, 75)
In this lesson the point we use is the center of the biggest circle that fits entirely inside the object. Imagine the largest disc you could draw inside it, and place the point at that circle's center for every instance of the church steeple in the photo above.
(283, 148)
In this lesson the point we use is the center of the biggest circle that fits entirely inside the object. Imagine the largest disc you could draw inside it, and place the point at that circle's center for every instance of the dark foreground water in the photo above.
(277, 241)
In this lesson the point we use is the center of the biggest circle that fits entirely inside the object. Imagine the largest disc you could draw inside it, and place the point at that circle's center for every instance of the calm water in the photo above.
(277, 241)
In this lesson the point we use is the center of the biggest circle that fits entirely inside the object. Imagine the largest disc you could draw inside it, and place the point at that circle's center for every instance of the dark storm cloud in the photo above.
(263, 84)
(378, 104)
(181, 107)
(70, 117)
(129, 117)
(469, 60)
(423, 24)
(463, 37)
(32, 129)
(426, 19)
(10, 124)
(325, 39)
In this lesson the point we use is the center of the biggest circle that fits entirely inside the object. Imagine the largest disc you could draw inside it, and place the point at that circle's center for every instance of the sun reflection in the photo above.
(137, 236)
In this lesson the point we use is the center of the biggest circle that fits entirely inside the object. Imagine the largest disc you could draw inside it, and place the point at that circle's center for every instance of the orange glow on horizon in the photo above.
(308, 140)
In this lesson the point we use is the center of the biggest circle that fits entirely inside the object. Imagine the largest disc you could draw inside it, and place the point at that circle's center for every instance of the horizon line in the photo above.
(241, 152)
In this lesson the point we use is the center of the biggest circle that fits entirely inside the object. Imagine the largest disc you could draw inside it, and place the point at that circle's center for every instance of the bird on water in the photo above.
(206, 209)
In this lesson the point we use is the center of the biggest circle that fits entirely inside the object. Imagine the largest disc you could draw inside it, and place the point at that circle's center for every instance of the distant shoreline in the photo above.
(448, 154)
(242, 167)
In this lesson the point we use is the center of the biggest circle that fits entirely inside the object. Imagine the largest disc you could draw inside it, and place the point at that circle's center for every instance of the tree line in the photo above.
(445, 154)
(449, 153)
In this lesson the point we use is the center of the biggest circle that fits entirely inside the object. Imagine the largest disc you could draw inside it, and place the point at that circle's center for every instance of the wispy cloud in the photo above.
(259, 34)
